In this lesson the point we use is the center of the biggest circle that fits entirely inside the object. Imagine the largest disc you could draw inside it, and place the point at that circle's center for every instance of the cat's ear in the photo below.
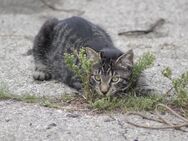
(126, 59)
(92, 54)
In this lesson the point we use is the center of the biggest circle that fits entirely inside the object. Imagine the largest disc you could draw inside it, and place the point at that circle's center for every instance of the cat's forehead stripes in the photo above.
(110, 54)
(105, 69)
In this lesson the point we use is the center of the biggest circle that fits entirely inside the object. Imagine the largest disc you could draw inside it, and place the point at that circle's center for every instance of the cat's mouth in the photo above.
(112, 92)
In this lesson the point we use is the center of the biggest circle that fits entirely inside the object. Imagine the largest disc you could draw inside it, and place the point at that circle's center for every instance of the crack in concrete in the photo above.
(121, 125)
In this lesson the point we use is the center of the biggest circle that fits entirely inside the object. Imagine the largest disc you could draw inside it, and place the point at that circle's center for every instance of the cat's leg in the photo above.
(144, 87)
(41, 72)
(76, 84)
(42, 44)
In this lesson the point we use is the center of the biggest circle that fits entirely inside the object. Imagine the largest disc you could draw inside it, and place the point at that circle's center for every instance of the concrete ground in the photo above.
(20, 20)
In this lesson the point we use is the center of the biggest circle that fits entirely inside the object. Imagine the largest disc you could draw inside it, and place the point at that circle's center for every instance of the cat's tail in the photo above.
(43, 40)
(44, 36)
(48, 27)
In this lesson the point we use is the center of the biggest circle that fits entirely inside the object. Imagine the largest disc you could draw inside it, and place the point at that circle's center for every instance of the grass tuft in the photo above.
(143, 63)
(29, 98)
(81, 70)
(130, 103)
(49, 103)
(4, 95)
(180, 85)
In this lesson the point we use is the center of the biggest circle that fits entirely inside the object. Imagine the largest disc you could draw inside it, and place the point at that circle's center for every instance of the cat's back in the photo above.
(78, 26)
(81, 29)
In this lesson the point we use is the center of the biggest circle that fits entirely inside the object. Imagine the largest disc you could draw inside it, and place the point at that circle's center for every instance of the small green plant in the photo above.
(82, 70)
(181, 82)
(49, 103)
(28, 98)
(143, 63)
(135, 103)
(67, 97)
(167, 72)
(180, 85)
(43, 101)
(4, 94)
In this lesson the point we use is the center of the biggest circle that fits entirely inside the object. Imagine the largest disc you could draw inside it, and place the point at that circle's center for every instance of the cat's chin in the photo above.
(112, 93)
(108, 94)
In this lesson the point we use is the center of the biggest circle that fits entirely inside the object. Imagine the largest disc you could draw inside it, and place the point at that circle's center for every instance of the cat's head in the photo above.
(111, 71)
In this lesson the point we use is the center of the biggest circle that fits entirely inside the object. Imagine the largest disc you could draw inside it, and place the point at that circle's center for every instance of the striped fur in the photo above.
(59, 36)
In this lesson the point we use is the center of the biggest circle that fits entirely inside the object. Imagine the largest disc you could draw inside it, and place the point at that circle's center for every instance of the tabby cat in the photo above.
(111, 71)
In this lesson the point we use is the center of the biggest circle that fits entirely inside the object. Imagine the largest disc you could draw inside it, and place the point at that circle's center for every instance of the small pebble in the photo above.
(73, 115)
(51, 125)
(7, 120)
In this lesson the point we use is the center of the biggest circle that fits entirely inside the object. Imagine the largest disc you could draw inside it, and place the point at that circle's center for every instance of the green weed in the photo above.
(143, 63)
(130, 103)
(180, 85)
(82, 70)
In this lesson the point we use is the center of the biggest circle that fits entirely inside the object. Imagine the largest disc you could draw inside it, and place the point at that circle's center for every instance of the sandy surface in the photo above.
(21, 19)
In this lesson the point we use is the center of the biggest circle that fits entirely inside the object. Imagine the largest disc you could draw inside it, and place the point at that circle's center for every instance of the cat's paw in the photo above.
(41, 75)
(77, 86)
(147, 90)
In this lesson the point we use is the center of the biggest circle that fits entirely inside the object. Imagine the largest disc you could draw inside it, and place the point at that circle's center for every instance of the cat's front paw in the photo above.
(77, 86)
(41, 75)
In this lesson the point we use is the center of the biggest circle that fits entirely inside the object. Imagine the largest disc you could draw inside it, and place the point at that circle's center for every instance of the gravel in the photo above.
(20, 20)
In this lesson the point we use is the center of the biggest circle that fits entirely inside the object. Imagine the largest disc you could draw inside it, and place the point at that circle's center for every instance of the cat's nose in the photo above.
(104, 92)
(104, 89)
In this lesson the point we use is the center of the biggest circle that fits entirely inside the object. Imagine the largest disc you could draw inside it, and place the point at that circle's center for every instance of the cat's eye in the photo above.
(115, 79)
(97, 77)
